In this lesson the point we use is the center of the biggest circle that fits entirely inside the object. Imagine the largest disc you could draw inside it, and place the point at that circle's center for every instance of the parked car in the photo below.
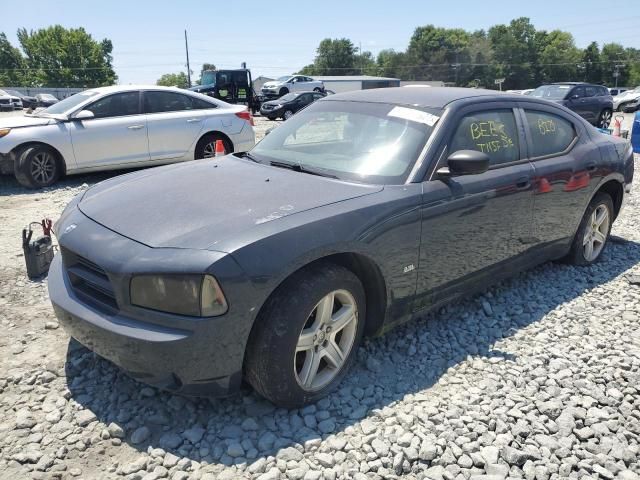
(364, 210)
(291, 83)
(629, 97)
(9, 102)
(27, 101)
(592, 102)
(632, 106)
(119, 127)
(617, 90)
(45, 100)
(289, 104)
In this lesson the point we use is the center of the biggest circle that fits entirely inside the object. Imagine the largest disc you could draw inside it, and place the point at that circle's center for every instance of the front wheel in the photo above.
(604, 119)
(287, 114)
(593, 233)
(37, 167)
(305, 339)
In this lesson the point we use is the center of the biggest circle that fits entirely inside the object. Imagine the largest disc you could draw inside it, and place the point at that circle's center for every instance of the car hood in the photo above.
(200, 204)
(273, 83)
(24, 121)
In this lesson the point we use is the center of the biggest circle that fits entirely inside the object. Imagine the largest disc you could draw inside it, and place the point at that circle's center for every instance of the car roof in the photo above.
(127, 88)
(435, 97)
(576, 83)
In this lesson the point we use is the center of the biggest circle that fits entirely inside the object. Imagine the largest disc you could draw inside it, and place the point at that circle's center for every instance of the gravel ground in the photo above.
(537, 378)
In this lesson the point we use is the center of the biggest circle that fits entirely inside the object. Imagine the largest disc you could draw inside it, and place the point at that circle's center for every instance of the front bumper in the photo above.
(7, 162)
(192, 356)
(276, 112)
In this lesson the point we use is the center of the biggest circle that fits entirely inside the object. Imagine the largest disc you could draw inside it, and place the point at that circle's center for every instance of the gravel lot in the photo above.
(537, 378)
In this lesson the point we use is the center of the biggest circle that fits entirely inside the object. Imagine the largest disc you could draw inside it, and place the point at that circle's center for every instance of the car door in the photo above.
(298, 84)
(578, 102)
(116, 135)
(593, 102)
(174, 122)
(566, 170)
(303, 100)
(472, 224)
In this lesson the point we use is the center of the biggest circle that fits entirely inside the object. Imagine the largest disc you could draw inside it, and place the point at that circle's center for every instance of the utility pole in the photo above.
(186, 47)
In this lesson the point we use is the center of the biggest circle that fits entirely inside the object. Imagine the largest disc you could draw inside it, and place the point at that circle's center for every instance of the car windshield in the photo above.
(288, 97)
(284, 79)
(374, 143)
(14, 93)
(208, 78)
(2, 92)
(551, 92)
(69, 103)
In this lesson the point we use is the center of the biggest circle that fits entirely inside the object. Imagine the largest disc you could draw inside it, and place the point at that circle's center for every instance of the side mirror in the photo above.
(83, 115)
(575, 97)
(465, 162)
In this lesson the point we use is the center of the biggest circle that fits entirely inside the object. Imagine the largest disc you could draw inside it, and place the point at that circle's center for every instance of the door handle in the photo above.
(591, 167)
(135, 127)
(523, 183)
(194, 120)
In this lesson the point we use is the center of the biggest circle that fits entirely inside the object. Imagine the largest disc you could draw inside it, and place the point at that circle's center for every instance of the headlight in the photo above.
(192, 295)
(4, 132)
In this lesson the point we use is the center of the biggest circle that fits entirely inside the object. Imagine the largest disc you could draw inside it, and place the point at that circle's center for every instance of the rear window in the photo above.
(550, 134)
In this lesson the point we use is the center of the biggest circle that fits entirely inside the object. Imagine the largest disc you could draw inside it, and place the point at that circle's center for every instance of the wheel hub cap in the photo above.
(596, 233)
(325, 341)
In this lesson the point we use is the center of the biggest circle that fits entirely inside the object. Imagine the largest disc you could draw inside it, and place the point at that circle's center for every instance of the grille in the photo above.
(267, 107)
(89, 281)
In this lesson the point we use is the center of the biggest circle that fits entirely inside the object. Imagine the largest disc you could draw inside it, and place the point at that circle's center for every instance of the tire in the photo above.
(579, 253)
(317, 89)
(37, 167)
(283, 91)
(206, 146)
(287, 115)
(275, 367)
(604, 119)
(271, 117)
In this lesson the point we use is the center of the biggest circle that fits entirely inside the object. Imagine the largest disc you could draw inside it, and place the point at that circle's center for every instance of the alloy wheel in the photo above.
(596, 233)
(43, 168)
(605, 119)
(209, 150)
(288, 114)
(326, 340)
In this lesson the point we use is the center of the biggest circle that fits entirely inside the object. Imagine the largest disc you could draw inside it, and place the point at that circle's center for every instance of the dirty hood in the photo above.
(202, 203)
(24, 121)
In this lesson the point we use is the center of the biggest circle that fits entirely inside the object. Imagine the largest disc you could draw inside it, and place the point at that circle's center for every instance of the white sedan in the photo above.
(291, 83)
(119, 127)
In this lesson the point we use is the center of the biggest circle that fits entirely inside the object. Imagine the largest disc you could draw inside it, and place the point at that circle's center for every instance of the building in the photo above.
(348, 83)
(258, 82)
(434, 83)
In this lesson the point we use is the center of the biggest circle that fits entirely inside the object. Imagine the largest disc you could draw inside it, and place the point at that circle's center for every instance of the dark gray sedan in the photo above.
(363, 211)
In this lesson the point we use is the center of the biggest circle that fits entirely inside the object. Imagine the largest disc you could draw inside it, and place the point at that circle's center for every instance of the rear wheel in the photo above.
(593, 233)
(206, 147)
(317, 89)
(37, 167)
(271, 117)
(306, 337)
(604, 119)
(284, 91)
(287, 114)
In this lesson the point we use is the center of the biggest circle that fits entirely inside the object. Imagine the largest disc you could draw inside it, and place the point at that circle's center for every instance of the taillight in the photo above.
(246, 115)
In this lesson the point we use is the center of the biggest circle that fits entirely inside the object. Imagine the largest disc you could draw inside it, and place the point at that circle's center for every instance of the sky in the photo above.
(278, 38)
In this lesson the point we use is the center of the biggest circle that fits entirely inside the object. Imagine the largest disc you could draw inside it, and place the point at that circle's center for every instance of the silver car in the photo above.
(291, 83)
(119, 127)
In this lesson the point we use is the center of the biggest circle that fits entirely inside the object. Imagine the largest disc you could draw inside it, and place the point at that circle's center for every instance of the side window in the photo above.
(550, 134)
(577, 92)
(200, 104)
(317, 96)
(590, 92)
(493, 132)
(305, 98)
(116, 105)
(156, 102)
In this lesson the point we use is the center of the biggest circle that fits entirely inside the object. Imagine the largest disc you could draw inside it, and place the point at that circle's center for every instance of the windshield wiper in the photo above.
(250, 157)
(299, 168)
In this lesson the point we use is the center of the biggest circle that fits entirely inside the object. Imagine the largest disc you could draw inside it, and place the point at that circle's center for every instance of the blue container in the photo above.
(635, 133)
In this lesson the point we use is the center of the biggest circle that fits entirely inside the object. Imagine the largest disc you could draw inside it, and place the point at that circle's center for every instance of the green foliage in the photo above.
(61, 57)
(12, 63)
(523, 56)
(173, 80)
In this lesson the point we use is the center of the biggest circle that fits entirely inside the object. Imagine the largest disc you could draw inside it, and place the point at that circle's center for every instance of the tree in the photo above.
(173, 80)
(205, 67)
(613, 54)
(559, 57)
(436, 53)
(12, 64)
(60, 57)
(591, 64)
(515, 52)
(390, 64)
(334, 57)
